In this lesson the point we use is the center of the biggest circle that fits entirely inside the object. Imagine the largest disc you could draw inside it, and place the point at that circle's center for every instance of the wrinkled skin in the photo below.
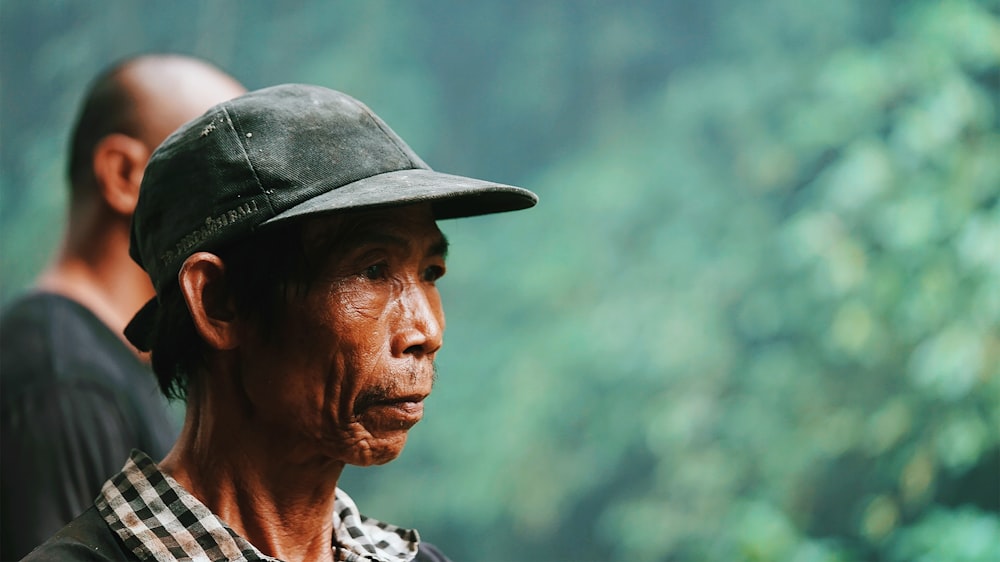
(344, 371)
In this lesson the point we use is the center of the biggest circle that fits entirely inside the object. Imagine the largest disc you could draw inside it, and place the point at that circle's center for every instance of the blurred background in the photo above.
(756, 314)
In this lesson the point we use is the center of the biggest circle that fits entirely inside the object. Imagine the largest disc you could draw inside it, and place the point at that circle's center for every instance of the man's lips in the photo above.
(401, 412)
(406, 401)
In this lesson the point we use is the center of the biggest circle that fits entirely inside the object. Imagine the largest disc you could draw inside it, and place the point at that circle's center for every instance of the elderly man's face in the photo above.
(345, 371)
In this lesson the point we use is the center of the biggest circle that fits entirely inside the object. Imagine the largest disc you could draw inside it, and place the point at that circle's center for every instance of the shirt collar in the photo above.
(157, 519)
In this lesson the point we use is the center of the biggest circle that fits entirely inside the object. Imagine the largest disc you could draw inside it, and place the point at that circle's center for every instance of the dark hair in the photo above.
(108, 108)
(262, 273)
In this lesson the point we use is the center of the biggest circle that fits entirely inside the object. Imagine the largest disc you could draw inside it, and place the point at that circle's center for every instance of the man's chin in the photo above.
(379, 449)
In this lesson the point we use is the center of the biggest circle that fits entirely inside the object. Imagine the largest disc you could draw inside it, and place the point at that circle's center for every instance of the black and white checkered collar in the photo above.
(157, 519)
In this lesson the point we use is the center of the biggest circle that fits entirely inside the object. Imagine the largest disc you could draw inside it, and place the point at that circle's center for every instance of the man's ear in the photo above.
(119, 161)
(203, 283)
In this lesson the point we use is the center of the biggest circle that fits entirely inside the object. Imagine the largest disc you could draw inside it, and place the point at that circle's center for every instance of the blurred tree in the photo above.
(769, 297)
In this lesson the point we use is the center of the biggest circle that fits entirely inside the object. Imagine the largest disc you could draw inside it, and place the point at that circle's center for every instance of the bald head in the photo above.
(145, 98)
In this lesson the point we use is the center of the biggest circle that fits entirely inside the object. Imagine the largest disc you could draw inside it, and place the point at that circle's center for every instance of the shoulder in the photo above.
(86, 538)
(429, 553)
(63, 372)
(25, 333)
(50, 340)
(49, 337)
(41, 311)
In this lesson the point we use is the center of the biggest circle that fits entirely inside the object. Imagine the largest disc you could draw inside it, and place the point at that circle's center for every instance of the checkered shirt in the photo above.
(159, 520)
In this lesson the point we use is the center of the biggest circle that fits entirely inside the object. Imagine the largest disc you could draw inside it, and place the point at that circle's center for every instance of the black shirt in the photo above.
(74, 400)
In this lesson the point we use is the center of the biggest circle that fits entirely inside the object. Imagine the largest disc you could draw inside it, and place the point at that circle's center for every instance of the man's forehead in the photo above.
(412, 225)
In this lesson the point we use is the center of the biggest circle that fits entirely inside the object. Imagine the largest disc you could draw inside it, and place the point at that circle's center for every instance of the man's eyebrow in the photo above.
(362, 238)
(440, 248)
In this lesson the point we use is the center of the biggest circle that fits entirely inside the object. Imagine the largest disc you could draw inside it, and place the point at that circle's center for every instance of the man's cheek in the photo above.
(360, 305)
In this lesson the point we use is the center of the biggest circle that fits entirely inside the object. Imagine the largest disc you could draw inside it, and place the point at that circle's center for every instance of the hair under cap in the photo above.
(277, 154)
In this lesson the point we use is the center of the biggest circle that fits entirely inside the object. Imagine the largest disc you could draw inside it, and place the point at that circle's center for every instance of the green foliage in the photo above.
(964, 535)
(756, 315)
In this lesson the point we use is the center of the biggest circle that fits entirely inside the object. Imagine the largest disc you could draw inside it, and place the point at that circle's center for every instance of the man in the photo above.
(75, 396)
(291, 236)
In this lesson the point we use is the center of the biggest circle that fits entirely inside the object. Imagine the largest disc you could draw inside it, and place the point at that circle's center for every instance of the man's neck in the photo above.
(94, 268)
(282, 502)
(109, 284)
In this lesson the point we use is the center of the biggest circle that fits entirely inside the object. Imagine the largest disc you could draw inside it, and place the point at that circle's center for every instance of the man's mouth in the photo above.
(392, 413)
(376, 400)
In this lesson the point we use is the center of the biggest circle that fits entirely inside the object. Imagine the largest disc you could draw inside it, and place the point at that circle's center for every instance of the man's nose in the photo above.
(421, 330)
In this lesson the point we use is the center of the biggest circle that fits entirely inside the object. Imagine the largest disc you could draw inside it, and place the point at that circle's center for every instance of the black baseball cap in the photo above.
(279, 154)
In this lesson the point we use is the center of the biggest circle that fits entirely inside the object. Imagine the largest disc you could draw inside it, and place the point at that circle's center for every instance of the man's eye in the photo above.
(377, 271)
(433, 273)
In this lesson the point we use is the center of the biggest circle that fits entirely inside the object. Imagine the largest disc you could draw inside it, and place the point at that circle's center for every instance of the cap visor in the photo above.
(451, 196)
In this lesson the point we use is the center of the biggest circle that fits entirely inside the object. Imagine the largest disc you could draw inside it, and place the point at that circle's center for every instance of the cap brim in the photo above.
(451, 196)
